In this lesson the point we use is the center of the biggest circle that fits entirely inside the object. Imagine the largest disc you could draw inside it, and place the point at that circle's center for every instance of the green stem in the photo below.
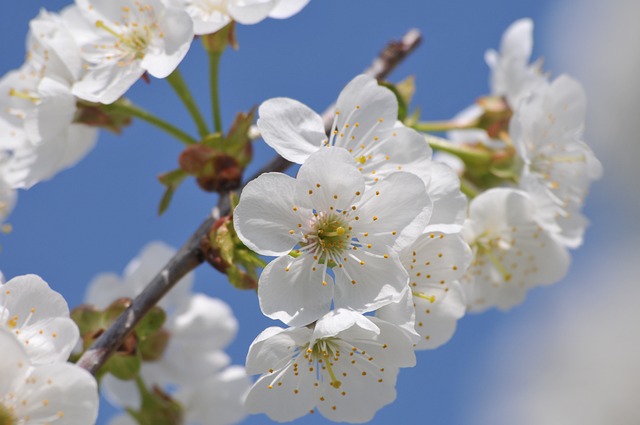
(468, 154)
(438, 126)
(214, 72)
(137, 112)
(182, 90)
(468, 188)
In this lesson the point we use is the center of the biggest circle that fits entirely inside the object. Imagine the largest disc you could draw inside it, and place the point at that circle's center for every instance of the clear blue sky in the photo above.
(97, 216)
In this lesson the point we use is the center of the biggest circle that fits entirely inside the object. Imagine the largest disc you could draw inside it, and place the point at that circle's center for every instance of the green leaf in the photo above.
(172, 180)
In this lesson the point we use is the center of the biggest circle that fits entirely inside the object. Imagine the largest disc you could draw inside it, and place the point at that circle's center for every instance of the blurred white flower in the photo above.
(39, 318)
(120, 40)
(512, 251)
(57, 393)
(512, 76)
(199, 328)
(330, 219)
(559, 167)
(346, 366)
(37, 108)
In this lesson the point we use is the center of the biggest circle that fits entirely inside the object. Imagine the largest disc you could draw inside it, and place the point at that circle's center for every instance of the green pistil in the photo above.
(322, 350)
(333, 236)
(430, 298)
(6, 417)
(495, 261)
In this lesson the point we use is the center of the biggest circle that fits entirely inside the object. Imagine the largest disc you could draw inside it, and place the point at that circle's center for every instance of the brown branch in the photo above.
(190, 255)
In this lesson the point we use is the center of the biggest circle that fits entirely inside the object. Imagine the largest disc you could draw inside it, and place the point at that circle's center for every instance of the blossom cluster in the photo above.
(37, 335)
(93, 51)
(369, 252)
(521, 233)
(191, 365)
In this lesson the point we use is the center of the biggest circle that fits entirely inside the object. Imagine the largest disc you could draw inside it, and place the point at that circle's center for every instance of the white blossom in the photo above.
(558, 167)
(512, 251)
(57, 393)
(365, 124)
(345, 366)
(210, 16)
(199, 327)
(334, 225)
(107, 287)
(39, 318)
(122, 39)
(218, 399)
(512, 76)
(37, 107)
(435, 263)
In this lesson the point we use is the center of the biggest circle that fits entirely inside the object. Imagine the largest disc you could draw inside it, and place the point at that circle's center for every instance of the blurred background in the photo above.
(568, 355)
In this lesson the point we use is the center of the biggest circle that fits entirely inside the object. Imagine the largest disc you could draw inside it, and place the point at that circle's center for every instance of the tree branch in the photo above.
(191, 255)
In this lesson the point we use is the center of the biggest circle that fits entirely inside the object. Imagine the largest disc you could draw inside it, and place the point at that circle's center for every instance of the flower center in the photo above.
(330, 235)
(6, 416)
(324, 353)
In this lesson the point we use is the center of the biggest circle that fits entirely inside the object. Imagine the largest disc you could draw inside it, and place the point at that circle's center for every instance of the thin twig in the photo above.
(190, 255)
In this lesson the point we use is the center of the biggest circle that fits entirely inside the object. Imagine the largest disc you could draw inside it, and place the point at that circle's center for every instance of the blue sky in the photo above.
(96, 216)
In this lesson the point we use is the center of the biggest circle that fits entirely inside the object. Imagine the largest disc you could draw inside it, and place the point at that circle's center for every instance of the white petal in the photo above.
(366, 103)
(296, 291)
(291, 128)
(106, 288)
(203, 321)
(287, 8)
(282, 395)
(274, 347)
(369, 281)
(152, 258)
(15, 361)
(436, 322)
(217, 400)
(449, 203)
(106, 84)
(265, 215)
(329, 179)
(517, 40)
(120, 393)
(250, 12)
(385, 209)
(341, 319)
(72, 395)
(177, 28)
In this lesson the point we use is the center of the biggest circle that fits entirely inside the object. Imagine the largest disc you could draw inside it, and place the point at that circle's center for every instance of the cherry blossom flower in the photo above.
(39, 318)
(365, 124)
(199, 328)
(334, 225)
(512, 251)
(218, 399)
(345, 366)
(107, 287)
(122, 39)
(36, 117)
(512, 76)
(210, 16)
(558, 166)
(435, 262)
(57, 393)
